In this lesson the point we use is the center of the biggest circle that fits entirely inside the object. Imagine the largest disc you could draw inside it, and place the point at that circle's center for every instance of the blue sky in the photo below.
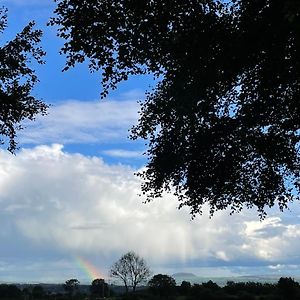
(71, 191)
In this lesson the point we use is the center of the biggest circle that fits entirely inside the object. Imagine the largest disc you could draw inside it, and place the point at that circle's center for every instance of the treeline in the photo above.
(71, 289)
(160, 287)
(285, 288)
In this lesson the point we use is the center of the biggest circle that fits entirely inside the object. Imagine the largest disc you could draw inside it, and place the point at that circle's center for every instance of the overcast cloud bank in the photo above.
(72, 205)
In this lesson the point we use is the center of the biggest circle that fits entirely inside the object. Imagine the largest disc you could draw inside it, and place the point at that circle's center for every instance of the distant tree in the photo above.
(162, 285)
(26, 293)
(99, 288)
(38, 292)
(185, 287)
(10, 291)
(196, 292)
(233, 287)
(208, 291)
(131, 269)
(288, 286)
(71, 286)
(210, 285)
(17, 79)
(252, 288)
(223, 121)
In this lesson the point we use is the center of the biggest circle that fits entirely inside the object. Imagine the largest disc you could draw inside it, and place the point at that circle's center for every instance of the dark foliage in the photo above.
(184, 288)
(210, 285)
(288, 287)
(207, 290)
(133, 296)
(17, 79)
(71, 286)
(163, 286)
(99, 288)
(38, 292)
(10, 291)
(223, 123)
(254, 288)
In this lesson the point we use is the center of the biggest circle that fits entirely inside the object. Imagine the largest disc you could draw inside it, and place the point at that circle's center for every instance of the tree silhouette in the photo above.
(17, 79)
(38, 292)
(10, 291)
(131, 269)
(223, 121)
(185, 287)
(162, 285)
(99, 288)
(288, 287)
(71, 286)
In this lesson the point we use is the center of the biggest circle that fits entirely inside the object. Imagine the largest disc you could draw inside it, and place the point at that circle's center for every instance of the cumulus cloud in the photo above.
(71, 204)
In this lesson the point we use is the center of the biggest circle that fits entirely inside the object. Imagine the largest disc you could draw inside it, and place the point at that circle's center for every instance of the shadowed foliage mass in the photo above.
(223, 121)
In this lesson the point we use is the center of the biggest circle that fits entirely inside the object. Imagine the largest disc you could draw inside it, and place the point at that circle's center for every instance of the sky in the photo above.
(70, 204)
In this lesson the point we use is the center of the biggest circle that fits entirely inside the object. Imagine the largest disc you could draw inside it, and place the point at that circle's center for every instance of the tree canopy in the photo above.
(223, 122)
(71, 286)
(17, 78)
(131, 269)
(162, 285)
(99, 288)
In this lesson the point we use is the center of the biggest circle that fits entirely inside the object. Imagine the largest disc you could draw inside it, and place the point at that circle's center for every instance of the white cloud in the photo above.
(222, 255)
(78, 122)
(70, 204)
(274, 239)
(123, 153)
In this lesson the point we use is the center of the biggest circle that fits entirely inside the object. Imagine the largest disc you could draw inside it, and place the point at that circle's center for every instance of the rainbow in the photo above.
(90, 270)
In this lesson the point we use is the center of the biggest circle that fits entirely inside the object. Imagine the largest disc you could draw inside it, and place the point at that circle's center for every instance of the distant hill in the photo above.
(179, 277)
(182, 274)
